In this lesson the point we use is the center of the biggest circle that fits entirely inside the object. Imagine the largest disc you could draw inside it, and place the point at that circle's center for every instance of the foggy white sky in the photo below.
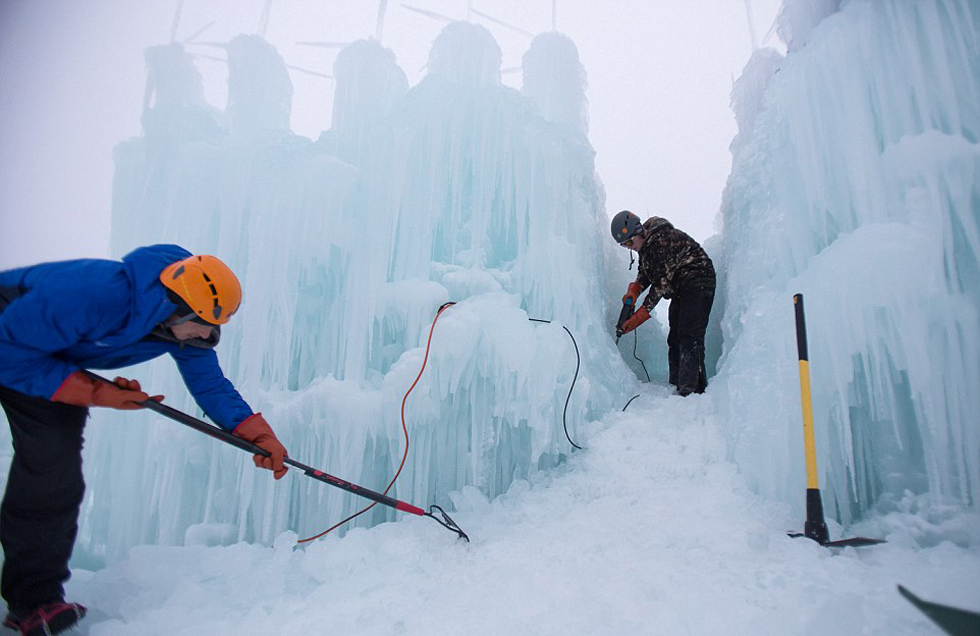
(72, 79)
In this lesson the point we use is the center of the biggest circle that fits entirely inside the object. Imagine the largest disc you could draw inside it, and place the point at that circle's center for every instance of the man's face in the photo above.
(191, 329)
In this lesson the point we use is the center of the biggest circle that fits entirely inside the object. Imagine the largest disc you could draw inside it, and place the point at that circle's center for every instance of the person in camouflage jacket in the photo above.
(674, 266)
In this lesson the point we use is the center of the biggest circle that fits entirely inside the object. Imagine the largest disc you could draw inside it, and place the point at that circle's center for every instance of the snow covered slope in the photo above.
(651, 531)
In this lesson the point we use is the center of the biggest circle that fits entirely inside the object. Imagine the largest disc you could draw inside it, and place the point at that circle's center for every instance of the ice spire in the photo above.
(555, 80)
(466, 54)
(260, 92)
(368, 84)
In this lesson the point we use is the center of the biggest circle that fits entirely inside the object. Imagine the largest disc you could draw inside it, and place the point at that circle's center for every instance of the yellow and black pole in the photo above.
(815, 527)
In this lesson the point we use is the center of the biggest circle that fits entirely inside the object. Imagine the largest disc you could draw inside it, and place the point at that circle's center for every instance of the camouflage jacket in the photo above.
(670, 261)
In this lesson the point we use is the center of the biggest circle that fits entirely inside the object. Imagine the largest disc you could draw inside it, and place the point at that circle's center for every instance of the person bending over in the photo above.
(57, 319)
(674, 266)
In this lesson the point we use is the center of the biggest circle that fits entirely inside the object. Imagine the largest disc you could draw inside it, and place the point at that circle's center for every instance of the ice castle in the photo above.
(855, 180)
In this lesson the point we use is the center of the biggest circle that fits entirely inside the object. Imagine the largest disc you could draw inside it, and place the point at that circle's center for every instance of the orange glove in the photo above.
(633, 292)
(637, 319)
(255, 429)
(81, 390)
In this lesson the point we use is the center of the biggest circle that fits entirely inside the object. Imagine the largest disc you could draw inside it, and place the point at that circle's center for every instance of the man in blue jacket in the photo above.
(59, 318)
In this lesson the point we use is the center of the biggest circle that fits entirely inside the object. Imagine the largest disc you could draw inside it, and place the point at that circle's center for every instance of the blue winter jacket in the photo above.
(97, 314)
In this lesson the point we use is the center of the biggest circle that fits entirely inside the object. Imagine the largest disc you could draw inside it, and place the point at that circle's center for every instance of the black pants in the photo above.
(39, 514)
(688, 320)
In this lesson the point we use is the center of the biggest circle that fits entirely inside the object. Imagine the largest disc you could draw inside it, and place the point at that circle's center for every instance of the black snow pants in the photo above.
(39, 513)
(688, 320)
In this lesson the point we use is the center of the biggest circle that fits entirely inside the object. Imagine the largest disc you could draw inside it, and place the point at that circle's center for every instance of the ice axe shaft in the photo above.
(815, 527)
(225, 436)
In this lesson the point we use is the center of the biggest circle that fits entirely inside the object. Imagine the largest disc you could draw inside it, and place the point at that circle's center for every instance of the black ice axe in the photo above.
(226, 437)
(815, 527)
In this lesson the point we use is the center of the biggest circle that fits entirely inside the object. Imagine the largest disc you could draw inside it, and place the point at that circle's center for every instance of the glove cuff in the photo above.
(253, 427)
(77, 389)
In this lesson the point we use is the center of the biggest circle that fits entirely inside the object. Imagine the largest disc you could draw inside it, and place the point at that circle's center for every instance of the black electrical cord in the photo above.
(578, 363)
(631, 401)
(635, 339)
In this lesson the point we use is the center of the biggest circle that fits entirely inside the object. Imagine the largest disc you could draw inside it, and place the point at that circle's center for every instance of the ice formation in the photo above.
(856, 181)
(458, 189)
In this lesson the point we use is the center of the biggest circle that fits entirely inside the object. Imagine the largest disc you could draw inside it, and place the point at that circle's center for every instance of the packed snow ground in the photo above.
(650, 530)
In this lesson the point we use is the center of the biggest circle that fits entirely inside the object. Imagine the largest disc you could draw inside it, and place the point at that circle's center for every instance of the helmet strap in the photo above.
(183, 311)
(179, 320)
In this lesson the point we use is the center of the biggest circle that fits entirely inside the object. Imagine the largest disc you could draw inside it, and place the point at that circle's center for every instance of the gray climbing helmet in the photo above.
(625, 225)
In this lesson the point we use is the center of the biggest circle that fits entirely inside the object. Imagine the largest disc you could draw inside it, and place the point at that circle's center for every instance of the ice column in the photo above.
(857, 183)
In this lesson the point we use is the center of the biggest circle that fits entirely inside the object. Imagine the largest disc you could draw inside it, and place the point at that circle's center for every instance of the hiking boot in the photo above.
(46, 620)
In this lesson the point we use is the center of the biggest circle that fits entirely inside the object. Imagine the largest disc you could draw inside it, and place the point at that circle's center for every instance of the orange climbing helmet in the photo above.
(205, 285)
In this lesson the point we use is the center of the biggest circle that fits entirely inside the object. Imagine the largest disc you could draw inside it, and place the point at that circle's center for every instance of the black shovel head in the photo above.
(954, 621)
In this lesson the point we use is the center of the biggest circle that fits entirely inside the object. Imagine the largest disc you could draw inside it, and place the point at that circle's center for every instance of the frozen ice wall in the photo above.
(458, 189)
(856, 181)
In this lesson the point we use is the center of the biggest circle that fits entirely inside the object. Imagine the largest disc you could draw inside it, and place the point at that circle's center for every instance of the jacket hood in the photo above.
(143, 265)
(656, 223)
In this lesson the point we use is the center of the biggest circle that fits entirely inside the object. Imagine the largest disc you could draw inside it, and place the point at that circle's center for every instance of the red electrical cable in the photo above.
(425, 360)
